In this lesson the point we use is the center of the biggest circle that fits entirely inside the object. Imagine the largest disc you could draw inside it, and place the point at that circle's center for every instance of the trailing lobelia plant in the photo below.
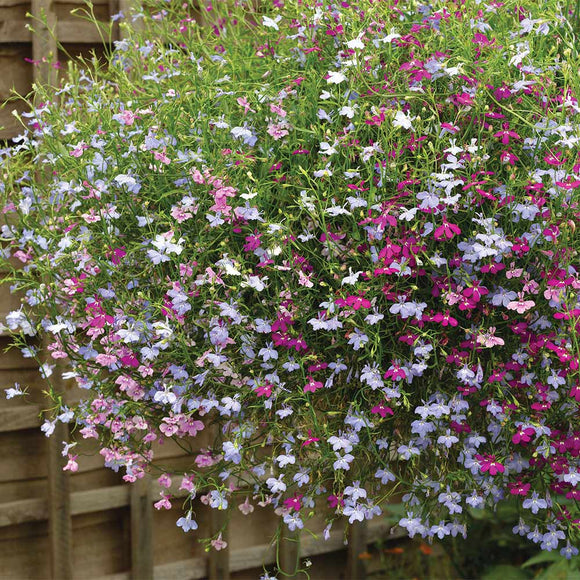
(343, 233)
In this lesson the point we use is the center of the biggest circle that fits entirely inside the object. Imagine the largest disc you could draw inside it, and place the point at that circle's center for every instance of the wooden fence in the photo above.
(90, 524)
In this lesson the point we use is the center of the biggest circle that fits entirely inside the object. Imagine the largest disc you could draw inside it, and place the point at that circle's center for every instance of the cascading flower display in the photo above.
(340, 234)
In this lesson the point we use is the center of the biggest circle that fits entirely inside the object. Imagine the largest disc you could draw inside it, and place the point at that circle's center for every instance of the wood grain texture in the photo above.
(99, 545)
(357, 544)
(22, 511)
(24, 4)
(44, 46)
(29, 379)
(81, 502)
(12, 359)
(35, 488)
(127, 7)
(254, 557)
(67, 32)
(114, 7)
(59, 509)
(19, 418)
(99, 549)
(15, 31)
(141, 530)
(289, 553)
(219, 560)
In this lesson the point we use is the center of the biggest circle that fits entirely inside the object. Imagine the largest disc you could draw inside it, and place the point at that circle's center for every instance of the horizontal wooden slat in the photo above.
(82, 502)
(119, 576)
(12, 359)
(95, 500)
(73, 32)
(11, 3)
(79, 32)
(28, 379)
(191, 569)
(22, 511)
(22, 455)
(99, 547)
(21, 417)
(15, 31)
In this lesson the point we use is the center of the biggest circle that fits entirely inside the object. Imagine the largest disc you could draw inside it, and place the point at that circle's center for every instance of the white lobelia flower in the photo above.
(391, 36)
(356, 42)
(403, 120)
(271, 22)
(335, 78)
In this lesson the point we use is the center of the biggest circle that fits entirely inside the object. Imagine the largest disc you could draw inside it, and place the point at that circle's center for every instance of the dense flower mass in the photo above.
(343, 233)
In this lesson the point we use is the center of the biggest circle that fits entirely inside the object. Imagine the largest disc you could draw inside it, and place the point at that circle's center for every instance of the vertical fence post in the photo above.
(141, 530)
(357, 545)
(114, 9)
(59, 512)
(219, 560)
(59, 516)
(289, 553)
(125, 7)
(44, 48)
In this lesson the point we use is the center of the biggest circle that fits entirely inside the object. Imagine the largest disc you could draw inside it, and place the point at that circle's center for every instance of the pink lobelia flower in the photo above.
(219, 543)
(243, 102)
(187, 484)
(72, 464)
(523, 436)
(521, 305)
(445, 319)
(505, 134)
(294, 502)
(164, 481)
(312, 385)
(555, 159)
(489, 464)
(447, 231)
(519, 488)
(163, 503)
(489, 339)
(246, 507)
(382, 410)
(310, 439)
(277, 130)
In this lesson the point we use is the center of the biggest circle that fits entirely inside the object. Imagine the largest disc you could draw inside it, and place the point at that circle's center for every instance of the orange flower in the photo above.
(397, 550)
(427, 550)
